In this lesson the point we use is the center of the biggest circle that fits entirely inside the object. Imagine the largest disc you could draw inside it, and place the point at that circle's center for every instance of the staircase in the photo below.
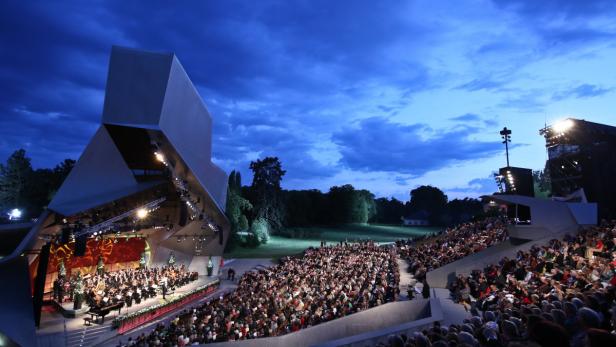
(86, 336)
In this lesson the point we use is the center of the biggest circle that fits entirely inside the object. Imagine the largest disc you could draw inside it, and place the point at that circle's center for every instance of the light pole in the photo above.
(506, 136)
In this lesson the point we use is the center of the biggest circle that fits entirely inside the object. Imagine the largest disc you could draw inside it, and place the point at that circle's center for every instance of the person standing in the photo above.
(164, 286)
(425, 291)
(100, 267)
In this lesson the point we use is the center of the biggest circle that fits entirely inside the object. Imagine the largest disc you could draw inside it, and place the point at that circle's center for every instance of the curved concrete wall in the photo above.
(440, 277)
(373, 320)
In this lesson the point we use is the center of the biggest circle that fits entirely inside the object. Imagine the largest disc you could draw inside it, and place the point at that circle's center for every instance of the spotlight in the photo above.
(142, 213)
(159, 157)
(562, 126)
(15, 214)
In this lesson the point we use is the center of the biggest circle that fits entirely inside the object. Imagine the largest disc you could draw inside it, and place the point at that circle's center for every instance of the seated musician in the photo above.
(126, 285)
(128, 297)
(137, 295)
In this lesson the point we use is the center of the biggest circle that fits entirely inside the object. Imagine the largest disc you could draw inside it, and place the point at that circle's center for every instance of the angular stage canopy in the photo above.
(147, 173)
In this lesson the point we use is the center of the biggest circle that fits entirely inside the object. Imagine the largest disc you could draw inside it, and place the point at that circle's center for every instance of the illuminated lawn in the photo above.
(303, 238)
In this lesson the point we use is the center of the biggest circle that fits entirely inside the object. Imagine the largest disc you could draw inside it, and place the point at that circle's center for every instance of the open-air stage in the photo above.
(56, 329)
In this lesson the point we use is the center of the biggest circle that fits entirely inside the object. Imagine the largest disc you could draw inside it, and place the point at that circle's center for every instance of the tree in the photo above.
(260, 229)
(242, 224)
(341, 203)
(389, 211)
(236, 208)
(462, 210)
(28, 189)
(364, 208)
(348, 205)
(267, 175)
(429, 199)
(542, 183)
(14, 179)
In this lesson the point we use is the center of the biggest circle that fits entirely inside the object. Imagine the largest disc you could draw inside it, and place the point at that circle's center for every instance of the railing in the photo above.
(109, 222)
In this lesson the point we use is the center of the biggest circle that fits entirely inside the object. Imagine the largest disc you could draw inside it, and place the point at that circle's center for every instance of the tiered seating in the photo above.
(325, 284)
(454, 244)
(559, 294)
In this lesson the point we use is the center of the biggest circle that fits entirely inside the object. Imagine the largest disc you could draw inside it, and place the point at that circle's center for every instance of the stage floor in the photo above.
(53, 322)
(52, 330)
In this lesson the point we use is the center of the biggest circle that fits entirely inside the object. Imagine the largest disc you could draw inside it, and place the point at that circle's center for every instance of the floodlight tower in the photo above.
(506, 136)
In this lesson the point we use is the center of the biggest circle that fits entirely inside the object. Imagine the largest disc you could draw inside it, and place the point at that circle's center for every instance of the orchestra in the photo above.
(126, 286)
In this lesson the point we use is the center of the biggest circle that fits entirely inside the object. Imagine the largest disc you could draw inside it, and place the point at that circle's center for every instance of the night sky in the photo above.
(385, 95)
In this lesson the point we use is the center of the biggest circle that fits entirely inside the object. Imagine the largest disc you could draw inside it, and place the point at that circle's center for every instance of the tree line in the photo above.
(27, 189)
(263, 207)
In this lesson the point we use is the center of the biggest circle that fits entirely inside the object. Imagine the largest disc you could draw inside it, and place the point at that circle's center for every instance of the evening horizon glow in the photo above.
(384, 96)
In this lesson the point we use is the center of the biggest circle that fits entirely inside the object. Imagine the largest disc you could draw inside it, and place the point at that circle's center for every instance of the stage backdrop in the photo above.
(125, 251)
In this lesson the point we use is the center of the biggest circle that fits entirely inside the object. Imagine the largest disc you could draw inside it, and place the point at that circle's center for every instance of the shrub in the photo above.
(260, 229)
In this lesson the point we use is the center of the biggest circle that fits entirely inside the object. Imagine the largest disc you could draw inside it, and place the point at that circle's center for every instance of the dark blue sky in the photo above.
(385, 95)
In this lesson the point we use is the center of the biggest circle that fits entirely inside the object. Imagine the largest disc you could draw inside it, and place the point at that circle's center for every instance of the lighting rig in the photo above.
(182, 187)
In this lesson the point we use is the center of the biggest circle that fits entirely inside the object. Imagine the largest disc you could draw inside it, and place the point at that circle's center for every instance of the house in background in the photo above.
(416, 219)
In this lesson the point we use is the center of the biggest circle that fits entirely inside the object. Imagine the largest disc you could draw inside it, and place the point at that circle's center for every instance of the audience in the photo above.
(559, 294)
(324, 284)
(455, 243)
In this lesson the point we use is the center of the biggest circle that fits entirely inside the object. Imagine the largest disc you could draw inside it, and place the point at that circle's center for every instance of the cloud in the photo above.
(481, 84)
(477, 186)
(270, 63)
(581, 91)
(562, 25)
(376, 144)
(476, 119)
(554, 8)
(467, 117)
(529, 101)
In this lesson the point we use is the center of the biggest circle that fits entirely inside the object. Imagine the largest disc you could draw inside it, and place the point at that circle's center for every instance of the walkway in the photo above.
(406, 279)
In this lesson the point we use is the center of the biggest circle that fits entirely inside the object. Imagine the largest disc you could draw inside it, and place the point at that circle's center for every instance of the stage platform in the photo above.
(55, 327)
(57, 330)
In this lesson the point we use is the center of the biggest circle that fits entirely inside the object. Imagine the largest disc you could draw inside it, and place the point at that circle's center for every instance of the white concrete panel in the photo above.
(136, 85)
(99, 173)
(584, 213)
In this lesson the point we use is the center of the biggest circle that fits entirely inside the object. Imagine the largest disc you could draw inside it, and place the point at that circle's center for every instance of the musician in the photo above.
(128, 298)
(164, 286)
(138, 295)
(56, 289)
(100, 267)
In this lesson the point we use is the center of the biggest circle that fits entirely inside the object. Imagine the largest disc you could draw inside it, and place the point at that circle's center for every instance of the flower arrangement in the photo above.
(117, 322)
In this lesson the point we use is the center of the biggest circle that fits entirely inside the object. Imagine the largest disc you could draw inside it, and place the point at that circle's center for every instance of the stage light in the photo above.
(142, 213)
(562, 126)
(159, 157)
(15, 214)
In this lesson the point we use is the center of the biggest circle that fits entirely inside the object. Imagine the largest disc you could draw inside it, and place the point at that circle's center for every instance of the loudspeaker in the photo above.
(80, 245)
(220, 235)
(183, 214)
(39, 283)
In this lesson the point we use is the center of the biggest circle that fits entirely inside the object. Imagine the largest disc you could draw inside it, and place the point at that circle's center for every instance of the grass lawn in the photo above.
(279, 246)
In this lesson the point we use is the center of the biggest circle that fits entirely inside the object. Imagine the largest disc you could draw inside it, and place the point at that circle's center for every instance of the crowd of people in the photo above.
(453, 244)
(126, 285)
(324, 284)
(562, 293)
